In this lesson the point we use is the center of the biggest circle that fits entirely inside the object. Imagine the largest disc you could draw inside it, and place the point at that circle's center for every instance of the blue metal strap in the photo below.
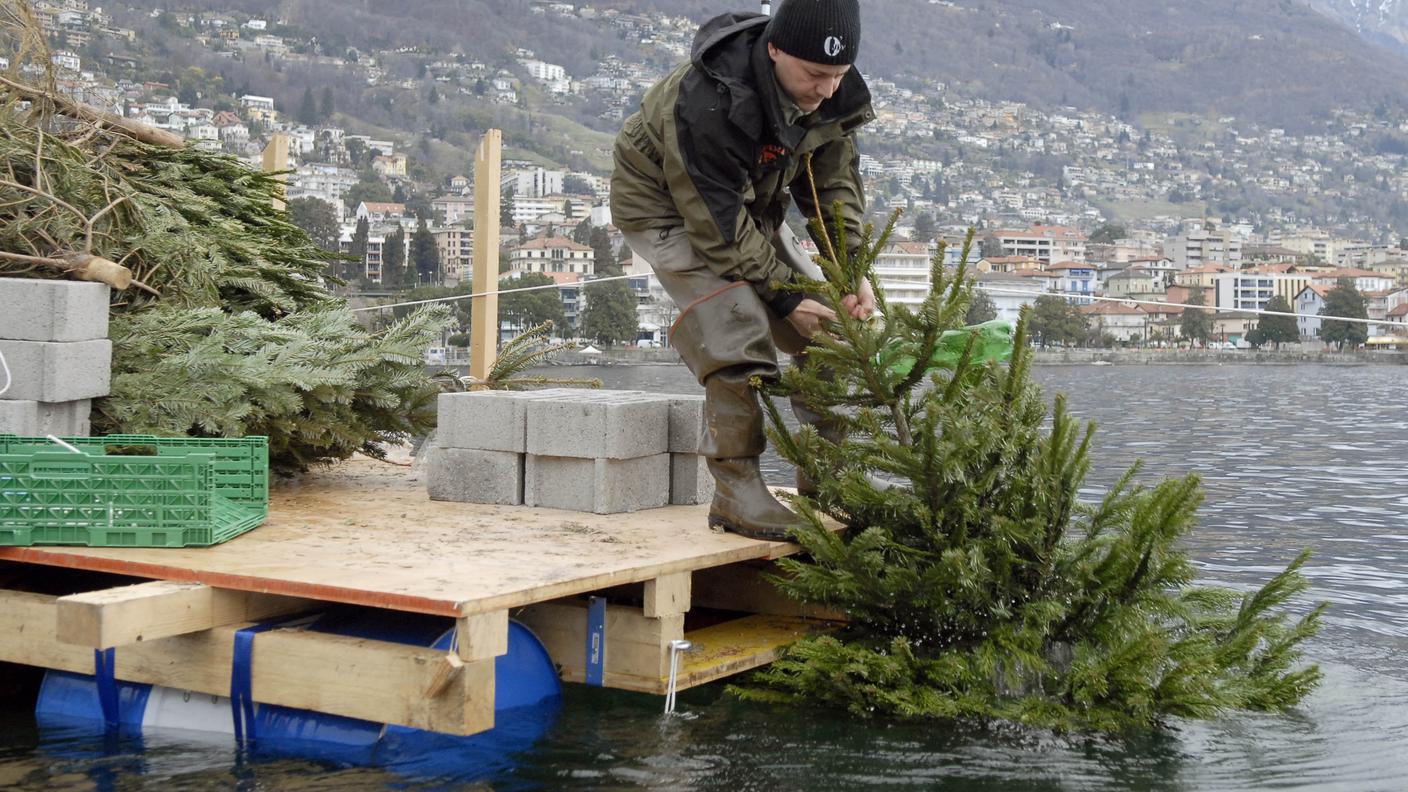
(596, 640)
(104, 662)
(241, 683)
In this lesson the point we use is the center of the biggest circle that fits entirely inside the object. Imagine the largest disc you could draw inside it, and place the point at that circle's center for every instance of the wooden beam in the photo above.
(745, 587)
(160, 609)
(667, 595)
(637, 654)
(484, 314)
(482, 636)
(358, 678)
(275, 160)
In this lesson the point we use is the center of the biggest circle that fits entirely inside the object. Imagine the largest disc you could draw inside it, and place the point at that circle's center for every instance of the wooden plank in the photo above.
(636, 647)
(482, 636)
(160, 609)
(355, 677)
(740, 645)
(667, 595)
(719, 651)
(366, 534)
(745, 587)
(484, 315)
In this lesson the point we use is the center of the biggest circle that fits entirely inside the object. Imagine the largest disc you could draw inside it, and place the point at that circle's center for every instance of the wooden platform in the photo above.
(366, 534)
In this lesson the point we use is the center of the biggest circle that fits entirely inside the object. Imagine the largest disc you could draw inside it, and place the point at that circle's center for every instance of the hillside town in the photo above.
(1071, 204)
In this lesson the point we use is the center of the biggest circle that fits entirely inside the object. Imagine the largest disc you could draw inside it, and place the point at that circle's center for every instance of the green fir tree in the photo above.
(977, 582)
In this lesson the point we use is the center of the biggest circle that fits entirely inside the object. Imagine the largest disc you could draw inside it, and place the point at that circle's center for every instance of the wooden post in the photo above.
(484, 313)
(276, 159)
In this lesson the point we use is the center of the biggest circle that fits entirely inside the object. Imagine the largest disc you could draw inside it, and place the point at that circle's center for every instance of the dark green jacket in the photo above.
(710, 149)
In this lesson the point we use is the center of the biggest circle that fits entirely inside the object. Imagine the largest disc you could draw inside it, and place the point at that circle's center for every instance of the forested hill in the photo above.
(1275, 61)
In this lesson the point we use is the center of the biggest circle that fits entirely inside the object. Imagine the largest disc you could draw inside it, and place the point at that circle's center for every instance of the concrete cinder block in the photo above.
(686, 422)
(47, 371)
(603, 486)
(625, 426)
(690, 480)
(51, 310)
(465, 475)
(37, 419)
(491, 420)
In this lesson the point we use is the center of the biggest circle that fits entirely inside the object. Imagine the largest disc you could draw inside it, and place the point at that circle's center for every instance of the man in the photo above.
(701, 190)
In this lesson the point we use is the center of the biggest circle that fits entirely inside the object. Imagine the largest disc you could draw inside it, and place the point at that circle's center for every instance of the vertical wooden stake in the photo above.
(484, 314)
(276, 159)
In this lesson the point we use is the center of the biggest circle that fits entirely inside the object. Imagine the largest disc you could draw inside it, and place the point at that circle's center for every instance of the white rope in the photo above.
(1259, 311)
(6, 368)
(486, 294)
(677, 646)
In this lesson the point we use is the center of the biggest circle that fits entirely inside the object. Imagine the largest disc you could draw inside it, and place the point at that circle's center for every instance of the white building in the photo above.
(535, 183)
(552, 254)
(1009, 292)
(902, 270)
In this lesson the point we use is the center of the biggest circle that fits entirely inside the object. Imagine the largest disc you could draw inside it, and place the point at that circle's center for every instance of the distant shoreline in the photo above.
(1065, 357)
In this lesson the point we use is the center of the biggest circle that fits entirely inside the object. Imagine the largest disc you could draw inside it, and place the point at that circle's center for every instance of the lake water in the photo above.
(1291, 457)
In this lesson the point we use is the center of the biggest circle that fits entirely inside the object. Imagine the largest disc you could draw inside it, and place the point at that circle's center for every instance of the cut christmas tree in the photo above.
(977, 582)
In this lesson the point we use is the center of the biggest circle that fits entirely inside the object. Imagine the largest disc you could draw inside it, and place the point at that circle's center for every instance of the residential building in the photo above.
(534, 183)
(1233, 326)
(1125, 322)
(381, 212)
(1009, 292)
(453, 209)
(1044, 243)
(550, 255)
(1308, 304)
(1006, 263)
(902, 270)
(390, 166)
(1135, 282)
(1076, 278)
(324, 182)
(1364, 280)
(456, 246)
(1203, 248)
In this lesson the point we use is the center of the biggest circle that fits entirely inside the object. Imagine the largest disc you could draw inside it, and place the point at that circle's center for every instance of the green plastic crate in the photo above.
(189, 492)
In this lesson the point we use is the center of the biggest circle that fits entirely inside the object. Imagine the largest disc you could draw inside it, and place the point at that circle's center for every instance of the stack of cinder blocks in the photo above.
(54, 338)
(570, 448)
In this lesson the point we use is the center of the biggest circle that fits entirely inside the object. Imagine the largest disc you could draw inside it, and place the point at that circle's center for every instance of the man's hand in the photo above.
(809, 316)
(861, 304)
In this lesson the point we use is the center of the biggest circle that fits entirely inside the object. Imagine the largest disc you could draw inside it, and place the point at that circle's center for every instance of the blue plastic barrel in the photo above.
(527, 698)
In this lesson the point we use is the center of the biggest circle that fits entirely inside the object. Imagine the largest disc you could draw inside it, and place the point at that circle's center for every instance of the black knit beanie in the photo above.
(820, 31)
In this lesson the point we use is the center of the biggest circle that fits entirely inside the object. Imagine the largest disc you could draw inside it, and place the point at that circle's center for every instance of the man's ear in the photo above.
(772, 51)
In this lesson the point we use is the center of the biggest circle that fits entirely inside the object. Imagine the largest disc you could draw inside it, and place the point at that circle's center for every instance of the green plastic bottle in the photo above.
(994, 343)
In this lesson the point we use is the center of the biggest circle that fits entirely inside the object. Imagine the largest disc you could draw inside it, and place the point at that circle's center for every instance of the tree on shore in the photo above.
(981, 309)
(1196, 324)
(1275, 330)
(610, 316)
(1344, 300)
(393, 259)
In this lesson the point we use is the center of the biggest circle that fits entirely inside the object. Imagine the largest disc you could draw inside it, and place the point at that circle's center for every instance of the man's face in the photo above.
(809, 84)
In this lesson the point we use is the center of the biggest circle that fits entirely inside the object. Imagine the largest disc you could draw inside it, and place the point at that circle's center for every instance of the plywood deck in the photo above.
(365, 533)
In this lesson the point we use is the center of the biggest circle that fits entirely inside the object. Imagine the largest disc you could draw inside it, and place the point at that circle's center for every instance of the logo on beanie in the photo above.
(832, 46)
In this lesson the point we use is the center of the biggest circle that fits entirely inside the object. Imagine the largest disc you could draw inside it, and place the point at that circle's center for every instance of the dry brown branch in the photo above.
(116, 123)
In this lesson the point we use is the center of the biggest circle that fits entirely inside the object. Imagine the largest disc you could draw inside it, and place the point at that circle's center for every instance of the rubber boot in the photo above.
(732, 442)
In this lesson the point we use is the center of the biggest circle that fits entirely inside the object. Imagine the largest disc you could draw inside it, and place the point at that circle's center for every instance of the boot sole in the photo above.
(721, 525)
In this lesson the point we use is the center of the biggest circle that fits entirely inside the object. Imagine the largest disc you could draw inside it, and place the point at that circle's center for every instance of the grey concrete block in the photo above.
(19, 417)
(57, 371)
(466, 475)
(686, 422)
(49, 310)
(604, 486)
(490, 420)
(625, 426)
(37, 419)
(690, 480)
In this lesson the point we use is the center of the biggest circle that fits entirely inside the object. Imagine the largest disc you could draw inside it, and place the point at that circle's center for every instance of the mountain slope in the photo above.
(1275, 61)
(1382, 21)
